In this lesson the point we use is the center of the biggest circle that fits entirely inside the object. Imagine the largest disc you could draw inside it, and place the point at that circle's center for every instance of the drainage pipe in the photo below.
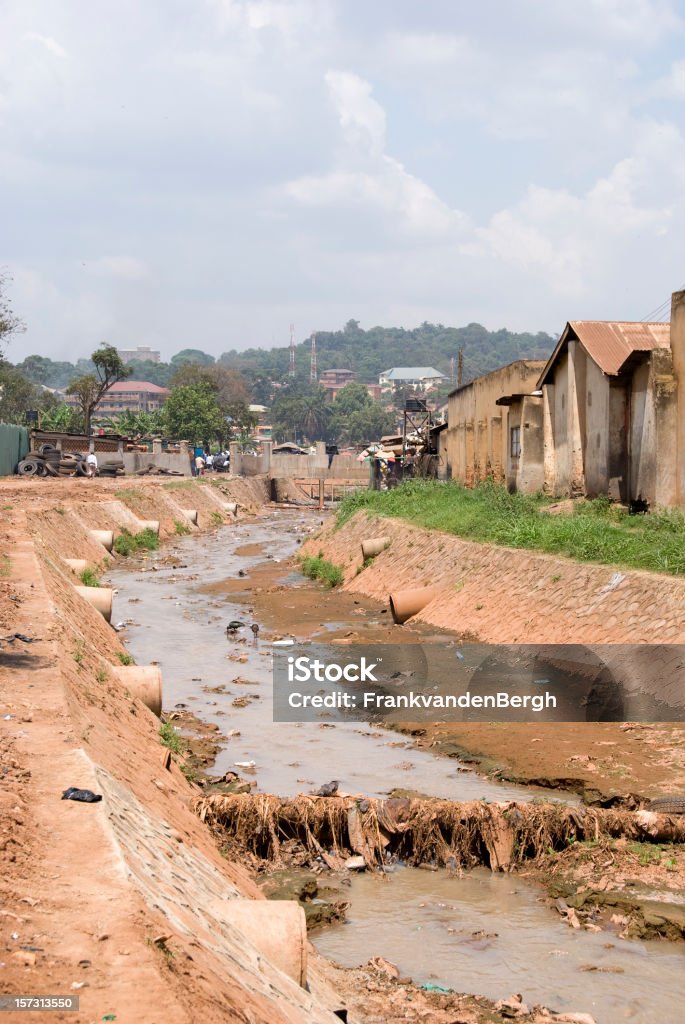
(149, 524)
(143, 682)
(373, 546)
(191, 513)
(100, 598)
(104, 537)
(276, 928)
(405, 603)
(77, 565)
(232, 507)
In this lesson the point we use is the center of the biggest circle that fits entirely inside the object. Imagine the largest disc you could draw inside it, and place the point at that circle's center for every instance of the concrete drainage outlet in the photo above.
(373, 546)
(149, 524)
(276, 928)
(104, 537)
(190, 513)
(100, 598)
(143, 682)
(406, 603)
(77, 565)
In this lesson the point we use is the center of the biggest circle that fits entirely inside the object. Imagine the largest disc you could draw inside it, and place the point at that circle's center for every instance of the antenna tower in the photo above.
(313, 376)
(460, 367)
(291, 368)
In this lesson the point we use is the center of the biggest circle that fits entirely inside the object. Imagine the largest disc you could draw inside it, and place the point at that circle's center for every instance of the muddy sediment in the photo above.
(134, 920)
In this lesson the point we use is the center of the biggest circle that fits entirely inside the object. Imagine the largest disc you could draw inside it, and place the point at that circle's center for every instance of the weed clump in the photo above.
(128, 543)
(125, 658)
(318, 568)
(89, 578)
(181, 528)
(170, 738)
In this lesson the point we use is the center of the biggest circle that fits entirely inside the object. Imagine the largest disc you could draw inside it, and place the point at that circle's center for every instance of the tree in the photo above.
(9, 322)
(192, 413)
(18, 395)
(62, 417)
(356, 418)
(299, 410)
(229, 387)
(89, 389)
(192, 355)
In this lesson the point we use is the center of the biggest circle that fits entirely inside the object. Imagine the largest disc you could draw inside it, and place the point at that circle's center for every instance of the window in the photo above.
(515, 449)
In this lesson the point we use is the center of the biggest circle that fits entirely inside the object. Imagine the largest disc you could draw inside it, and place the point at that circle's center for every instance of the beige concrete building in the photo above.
(483, 431)
(613, 410)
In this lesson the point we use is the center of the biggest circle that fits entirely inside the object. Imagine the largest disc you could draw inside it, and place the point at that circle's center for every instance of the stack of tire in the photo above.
(49, 461)
(111, 467)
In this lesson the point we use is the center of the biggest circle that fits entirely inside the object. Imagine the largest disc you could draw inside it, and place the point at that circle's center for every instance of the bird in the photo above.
(328, 788)
(255, 629)
(234, 626)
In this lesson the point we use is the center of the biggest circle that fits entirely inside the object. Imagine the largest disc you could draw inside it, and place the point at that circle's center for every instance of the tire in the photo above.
(50, 470)
(45, 449)
(81, 469)
(27, 467)
(65, 471)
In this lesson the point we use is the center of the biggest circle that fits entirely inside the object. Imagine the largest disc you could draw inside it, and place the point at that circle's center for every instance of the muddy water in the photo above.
(183, 629)
(423, 921)
(488, 935)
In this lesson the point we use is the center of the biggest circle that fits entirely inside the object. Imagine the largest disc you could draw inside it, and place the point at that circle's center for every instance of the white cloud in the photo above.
(362, 119)
(48, 42)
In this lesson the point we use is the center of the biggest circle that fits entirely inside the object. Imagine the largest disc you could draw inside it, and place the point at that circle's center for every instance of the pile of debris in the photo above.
(50, 461)
(153, 470)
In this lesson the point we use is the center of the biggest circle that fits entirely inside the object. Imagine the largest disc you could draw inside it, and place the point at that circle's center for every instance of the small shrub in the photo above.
(125, 658)
(170, 738)
(89, 578)
(101, 675)
(128, 543)
(318, 568)
(217, 518)
(181, 527)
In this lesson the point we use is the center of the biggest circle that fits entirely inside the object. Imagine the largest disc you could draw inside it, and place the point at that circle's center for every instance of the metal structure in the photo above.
(417, 423)
(312, 366)
(291, 368)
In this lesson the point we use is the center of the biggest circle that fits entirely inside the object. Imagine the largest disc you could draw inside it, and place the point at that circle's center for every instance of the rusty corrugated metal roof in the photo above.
(610, 343)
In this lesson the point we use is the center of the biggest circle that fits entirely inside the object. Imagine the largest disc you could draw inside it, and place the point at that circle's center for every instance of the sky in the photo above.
(203, 173)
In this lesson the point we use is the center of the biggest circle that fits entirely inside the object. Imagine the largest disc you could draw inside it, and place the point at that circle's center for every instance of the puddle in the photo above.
(182, 627)
(482, 932)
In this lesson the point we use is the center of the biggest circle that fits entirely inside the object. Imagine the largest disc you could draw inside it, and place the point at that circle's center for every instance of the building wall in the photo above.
(678, 354)
(477, 440)
(526, 473)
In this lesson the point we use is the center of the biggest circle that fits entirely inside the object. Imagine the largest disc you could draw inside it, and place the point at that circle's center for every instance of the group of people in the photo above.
(201, 461)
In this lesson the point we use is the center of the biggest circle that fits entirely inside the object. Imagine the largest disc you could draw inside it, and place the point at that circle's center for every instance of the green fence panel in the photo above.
(14, 444)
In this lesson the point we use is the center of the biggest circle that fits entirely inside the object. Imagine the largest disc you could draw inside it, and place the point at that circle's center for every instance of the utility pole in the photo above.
(313, 376)
(291, 368)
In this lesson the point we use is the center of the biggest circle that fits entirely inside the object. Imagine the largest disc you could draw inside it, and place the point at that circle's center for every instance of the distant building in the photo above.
(479, 435)
(333, 380)
(425, 377)
(375, 391)
(142, 353)
(131, 396)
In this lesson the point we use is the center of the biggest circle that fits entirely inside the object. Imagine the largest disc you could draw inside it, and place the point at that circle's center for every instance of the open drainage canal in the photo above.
(182, 628)
(487, 934)
(481, 933)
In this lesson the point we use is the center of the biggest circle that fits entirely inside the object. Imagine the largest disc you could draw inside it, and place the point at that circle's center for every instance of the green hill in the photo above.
(371, 352)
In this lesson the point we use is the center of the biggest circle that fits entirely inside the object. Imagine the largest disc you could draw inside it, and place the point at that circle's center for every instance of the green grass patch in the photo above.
(89, 578)
(177, 484)
(128, 543)
(4, 565)
(170, 738)
(217, 518)
(181, 528)
(318, 568)
(597, 531)
(125, 658)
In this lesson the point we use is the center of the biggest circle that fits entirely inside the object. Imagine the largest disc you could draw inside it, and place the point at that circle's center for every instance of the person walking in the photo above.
(91, 464)
(199, 465)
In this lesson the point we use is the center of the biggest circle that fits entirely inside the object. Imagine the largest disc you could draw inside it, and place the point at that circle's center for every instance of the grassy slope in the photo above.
(597, 531)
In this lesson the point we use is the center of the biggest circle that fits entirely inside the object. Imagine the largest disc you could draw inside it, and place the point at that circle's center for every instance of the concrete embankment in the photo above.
(500, 595)
(127, 902)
